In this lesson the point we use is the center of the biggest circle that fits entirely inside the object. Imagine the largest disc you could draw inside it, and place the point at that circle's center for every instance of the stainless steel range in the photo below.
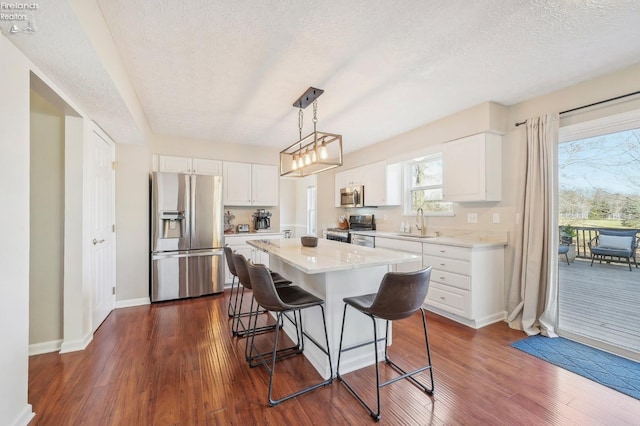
(360, 222)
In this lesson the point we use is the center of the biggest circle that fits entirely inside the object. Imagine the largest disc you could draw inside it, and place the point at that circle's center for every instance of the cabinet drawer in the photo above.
(453, 252)
(400, 245)
(455, 280)
(449, 265)
(449, 299)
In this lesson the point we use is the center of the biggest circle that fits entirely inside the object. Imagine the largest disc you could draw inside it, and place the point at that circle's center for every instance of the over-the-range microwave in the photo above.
(352, 196)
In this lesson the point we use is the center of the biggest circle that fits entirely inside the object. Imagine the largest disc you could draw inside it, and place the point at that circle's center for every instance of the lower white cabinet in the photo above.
(467, 283)
(413, 247)
(238, 244)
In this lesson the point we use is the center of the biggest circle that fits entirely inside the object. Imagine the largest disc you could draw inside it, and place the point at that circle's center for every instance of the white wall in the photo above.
(46, 262)
(132, 224)
(14, 250)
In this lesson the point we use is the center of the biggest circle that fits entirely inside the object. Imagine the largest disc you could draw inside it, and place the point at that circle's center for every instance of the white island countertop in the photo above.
(329, 256)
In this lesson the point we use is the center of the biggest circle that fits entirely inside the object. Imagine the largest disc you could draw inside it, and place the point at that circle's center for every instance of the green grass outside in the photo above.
(592, 223)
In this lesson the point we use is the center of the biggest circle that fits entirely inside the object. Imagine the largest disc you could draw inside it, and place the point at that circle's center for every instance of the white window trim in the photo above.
(406, 189)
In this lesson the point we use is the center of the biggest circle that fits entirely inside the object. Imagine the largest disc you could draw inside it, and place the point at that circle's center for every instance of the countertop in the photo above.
(329, 256)
(253, 233)
(457, 238)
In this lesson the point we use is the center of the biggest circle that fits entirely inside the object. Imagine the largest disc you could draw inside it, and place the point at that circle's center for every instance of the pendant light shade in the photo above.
(314, 153)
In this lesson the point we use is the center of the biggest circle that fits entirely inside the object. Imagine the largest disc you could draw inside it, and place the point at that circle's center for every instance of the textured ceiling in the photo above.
(229, 71)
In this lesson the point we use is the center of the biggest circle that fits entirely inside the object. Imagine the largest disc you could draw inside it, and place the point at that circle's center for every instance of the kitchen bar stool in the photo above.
(245, 283)
(400, 296)
(241, 265)
(280, 301)
(235, 311)
(232, 269)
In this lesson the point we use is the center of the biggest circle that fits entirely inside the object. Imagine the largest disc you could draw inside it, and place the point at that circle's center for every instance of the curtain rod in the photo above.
(589, 105)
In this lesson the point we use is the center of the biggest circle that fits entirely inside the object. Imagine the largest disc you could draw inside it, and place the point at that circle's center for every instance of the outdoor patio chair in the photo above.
(618, 243)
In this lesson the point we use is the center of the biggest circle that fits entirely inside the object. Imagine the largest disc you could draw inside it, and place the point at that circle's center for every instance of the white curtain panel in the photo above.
(533, 294)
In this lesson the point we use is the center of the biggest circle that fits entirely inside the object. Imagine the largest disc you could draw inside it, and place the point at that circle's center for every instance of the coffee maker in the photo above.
(261, 220)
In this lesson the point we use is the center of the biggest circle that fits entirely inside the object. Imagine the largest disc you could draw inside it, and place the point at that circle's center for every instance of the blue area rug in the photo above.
(607, 369)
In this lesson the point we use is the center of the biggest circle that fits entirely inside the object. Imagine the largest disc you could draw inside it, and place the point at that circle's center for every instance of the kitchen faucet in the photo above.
(420, 225)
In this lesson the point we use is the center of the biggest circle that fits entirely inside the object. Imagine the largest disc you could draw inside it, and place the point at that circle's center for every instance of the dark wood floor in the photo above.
(176, 364)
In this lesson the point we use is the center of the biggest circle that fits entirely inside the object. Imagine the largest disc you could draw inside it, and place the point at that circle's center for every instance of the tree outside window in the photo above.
(423, 186)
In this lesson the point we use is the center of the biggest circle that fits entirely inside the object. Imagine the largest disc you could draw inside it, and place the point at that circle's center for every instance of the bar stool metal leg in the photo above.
(274, 358)
(231, 307)
(403, 374)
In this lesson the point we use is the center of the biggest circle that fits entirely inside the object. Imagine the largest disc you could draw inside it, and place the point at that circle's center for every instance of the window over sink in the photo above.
(423, 186)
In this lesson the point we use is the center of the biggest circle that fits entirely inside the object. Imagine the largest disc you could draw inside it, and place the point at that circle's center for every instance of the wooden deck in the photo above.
(600, 305)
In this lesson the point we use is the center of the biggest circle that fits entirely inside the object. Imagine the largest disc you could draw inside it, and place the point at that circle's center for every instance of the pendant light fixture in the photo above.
(314, 153)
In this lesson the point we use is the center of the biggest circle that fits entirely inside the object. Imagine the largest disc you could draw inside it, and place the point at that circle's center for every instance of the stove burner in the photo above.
(361, 222)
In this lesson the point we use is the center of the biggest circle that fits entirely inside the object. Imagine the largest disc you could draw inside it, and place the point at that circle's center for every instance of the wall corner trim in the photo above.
(24, 417)
(76, 345)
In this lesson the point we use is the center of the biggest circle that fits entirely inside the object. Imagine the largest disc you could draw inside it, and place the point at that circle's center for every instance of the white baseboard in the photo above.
(25, 416)
(133, 302)
(45, 347)
(76, 345)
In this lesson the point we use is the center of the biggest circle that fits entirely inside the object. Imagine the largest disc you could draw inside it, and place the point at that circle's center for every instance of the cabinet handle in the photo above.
(442, 278)
(443, 298)
(442, 251)
(442, 264)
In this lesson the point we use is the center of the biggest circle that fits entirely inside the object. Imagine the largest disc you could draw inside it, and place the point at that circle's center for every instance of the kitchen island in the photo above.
(333, 271)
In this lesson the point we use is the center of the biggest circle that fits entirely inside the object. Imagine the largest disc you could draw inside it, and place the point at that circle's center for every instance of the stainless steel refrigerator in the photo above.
(187, 236)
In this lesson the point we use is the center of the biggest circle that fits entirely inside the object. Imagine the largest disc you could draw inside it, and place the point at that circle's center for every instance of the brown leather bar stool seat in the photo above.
(281, 301)
(400, 296)
(234, 309)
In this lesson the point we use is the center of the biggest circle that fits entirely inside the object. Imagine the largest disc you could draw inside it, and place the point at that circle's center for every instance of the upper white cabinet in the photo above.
(201, 166)
(472, 168)
(247, 184)
(381, 183)
(204, 166)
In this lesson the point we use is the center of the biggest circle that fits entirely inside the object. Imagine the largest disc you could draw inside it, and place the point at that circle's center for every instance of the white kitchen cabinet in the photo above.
(247, 184)
(238, 244)
(381, 183)
(472, 168)
(173, 164)
(413, 247)
(201, 166)
(466, 283)
(264, 185)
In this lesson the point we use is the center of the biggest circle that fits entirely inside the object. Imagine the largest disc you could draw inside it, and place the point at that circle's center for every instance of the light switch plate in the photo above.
(496, 218)
(472, 217)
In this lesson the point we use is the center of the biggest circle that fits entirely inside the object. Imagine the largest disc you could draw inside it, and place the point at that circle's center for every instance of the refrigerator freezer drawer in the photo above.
(168, 277)
(206, 273)
(186, 274)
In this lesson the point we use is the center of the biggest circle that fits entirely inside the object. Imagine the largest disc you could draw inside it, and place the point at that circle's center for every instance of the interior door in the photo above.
(103, 270)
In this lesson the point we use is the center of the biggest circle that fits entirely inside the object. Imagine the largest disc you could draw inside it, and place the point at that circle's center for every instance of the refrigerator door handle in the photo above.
(194, 191)
(169, 255)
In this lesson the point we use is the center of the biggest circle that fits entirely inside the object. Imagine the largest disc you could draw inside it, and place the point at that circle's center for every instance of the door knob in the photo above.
(97, 241)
